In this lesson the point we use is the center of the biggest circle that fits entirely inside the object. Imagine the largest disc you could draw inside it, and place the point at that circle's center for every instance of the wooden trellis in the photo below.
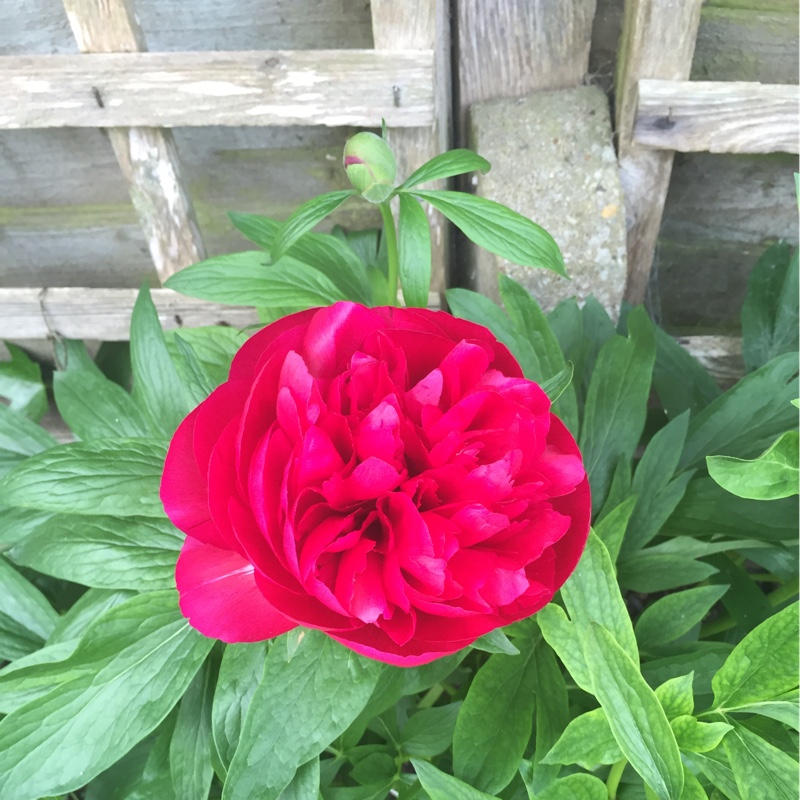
(137, 96)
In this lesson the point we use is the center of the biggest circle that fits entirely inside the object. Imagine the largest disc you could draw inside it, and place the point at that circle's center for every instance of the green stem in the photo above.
(391, 251)
(614, 777)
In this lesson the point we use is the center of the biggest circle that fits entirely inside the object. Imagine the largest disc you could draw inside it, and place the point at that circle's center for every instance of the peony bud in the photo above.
(370, 165)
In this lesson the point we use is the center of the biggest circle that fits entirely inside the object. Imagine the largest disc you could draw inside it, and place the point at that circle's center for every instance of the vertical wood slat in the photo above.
(658, 41)
(421, 25)
(147, 157)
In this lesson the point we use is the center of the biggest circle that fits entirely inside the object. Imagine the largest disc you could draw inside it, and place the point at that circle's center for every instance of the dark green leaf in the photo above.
(441, 786)
(558, 384)
(611, 528)
(299, 707)
(698, 737)
(498, 229)
(587, 741)
(635, 714)
(769, 313)
(20, 435)
(214, 347)
(430, 731)
(657, 572)
(420, 679)
(616, 404)
(105, 552)
(566, 322)
(745, 601)
(494, 725)
(701, 658)
(304, 218)
(21, 384)
(760, 770)
(90, 605)
(117, 476)
(446, 165)
(414, 251)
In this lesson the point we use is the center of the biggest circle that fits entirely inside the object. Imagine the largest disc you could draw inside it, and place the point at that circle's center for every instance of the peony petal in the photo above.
(219, 596)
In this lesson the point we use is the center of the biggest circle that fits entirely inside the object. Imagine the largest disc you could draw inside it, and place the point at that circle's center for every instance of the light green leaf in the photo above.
(498, 229)
(772, 475)
(305, 784)
(657, 572)
(190, 747)
(762, 666)
(783, 710)
(575, 787)
(672, 616)
(634, 713)
(20, 435)
(430, 731)
(761, 770)
(239, 674)
(557, 385)
(305, 217)
(698, 737)
(616, 403)
(441, 786)
(692, 788)
(140, 667)
(494, 724)
(562, 636)
(214, 347)
(21, 384)
(587, 742)
(87, 608)
(446, 165)
(495, 642)
(611, 528)
(299, 707)
(197, 383)
(676, 696)
(105, 552)
(414, 251)
(108, 476)
(716, 767)
(157, 387)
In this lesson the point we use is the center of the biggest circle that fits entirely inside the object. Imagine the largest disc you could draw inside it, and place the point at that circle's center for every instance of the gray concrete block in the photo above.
(553, 161)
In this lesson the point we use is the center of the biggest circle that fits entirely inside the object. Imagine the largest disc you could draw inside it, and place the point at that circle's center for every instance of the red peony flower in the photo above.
(385, 475)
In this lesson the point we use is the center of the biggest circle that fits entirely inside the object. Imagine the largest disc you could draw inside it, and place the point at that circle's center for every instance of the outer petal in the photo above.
(219, 596)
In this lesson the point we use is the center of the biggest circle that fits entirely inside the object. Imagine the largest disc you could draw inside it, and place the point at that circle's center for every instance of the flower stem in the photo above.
(614, 777)
(391, 251)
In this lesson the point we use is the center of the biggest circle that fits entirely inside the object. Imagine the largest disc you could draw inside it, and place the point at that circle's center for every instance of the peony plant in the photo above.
(349, 556)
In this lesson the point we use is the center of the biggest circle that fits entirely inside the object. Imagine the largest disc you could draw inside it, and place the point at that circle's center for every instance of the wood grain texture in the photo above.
(658, 40)
(509, 48)
(421, 25)
(333, 88)
(147, 156)
(724, 117)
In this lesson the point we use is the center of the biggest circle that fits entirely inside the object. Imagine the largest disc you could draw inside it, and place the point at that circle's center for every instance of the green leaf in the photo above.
(616, 403)
(677, 696)
(446, 165)
(745, 601)
(414, 251)
(760, 769)
(20, 435)
(634, 713)
(657, 572)
(692, 788)
(495, 642)
(88, 607)
(305, 784)
(113, 476)
(21, 384)
(190, 747)
(670, 617)
(139, 669)
(587, 741)
(611, 529)
(529, 320)
(441, 786)
(562, 636)
(785, 711)
(762, 666)
(305, 217)
(299, 708)
(716, 767)
(494, 725)
(575, 787)
(197, 383)
(498, 229)
(698, 737)
(245, 279)
(430, 731)
(105, 552)
(774, 474)
(747, 418)
(769, 313)
(214, 347)
(239, 674)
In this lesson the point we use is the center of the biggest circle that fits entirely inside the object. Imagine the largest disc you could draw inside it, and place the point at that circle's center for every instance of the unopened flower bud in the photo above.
(370, 165)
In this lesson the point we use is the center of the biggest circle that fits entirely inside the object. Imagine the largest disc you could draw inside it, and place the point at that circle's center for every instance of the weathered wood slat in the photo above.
(718, 117)
(658, 41)
(147, 156)
(281, 87)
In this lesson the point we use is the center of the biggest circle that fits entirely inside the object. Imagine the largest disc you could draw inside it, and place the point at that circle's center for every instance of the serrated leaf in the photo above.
(84, 725)
(494, 724)
(760, 769)
(676, 696)
(498, 229)
(670, 617)
(774, 474)
(762, 666)
(299, 707)
(634, 714)
(587, 742)
(414, 252)
(441, 786)
(446, 165)
(104, 551)
(694, 736)
(108, 476)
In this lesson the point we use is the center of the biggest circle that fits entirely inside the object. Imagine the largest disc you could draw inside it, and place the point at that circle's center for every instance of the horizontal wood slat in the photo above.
(718, 117)
(280, 87)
